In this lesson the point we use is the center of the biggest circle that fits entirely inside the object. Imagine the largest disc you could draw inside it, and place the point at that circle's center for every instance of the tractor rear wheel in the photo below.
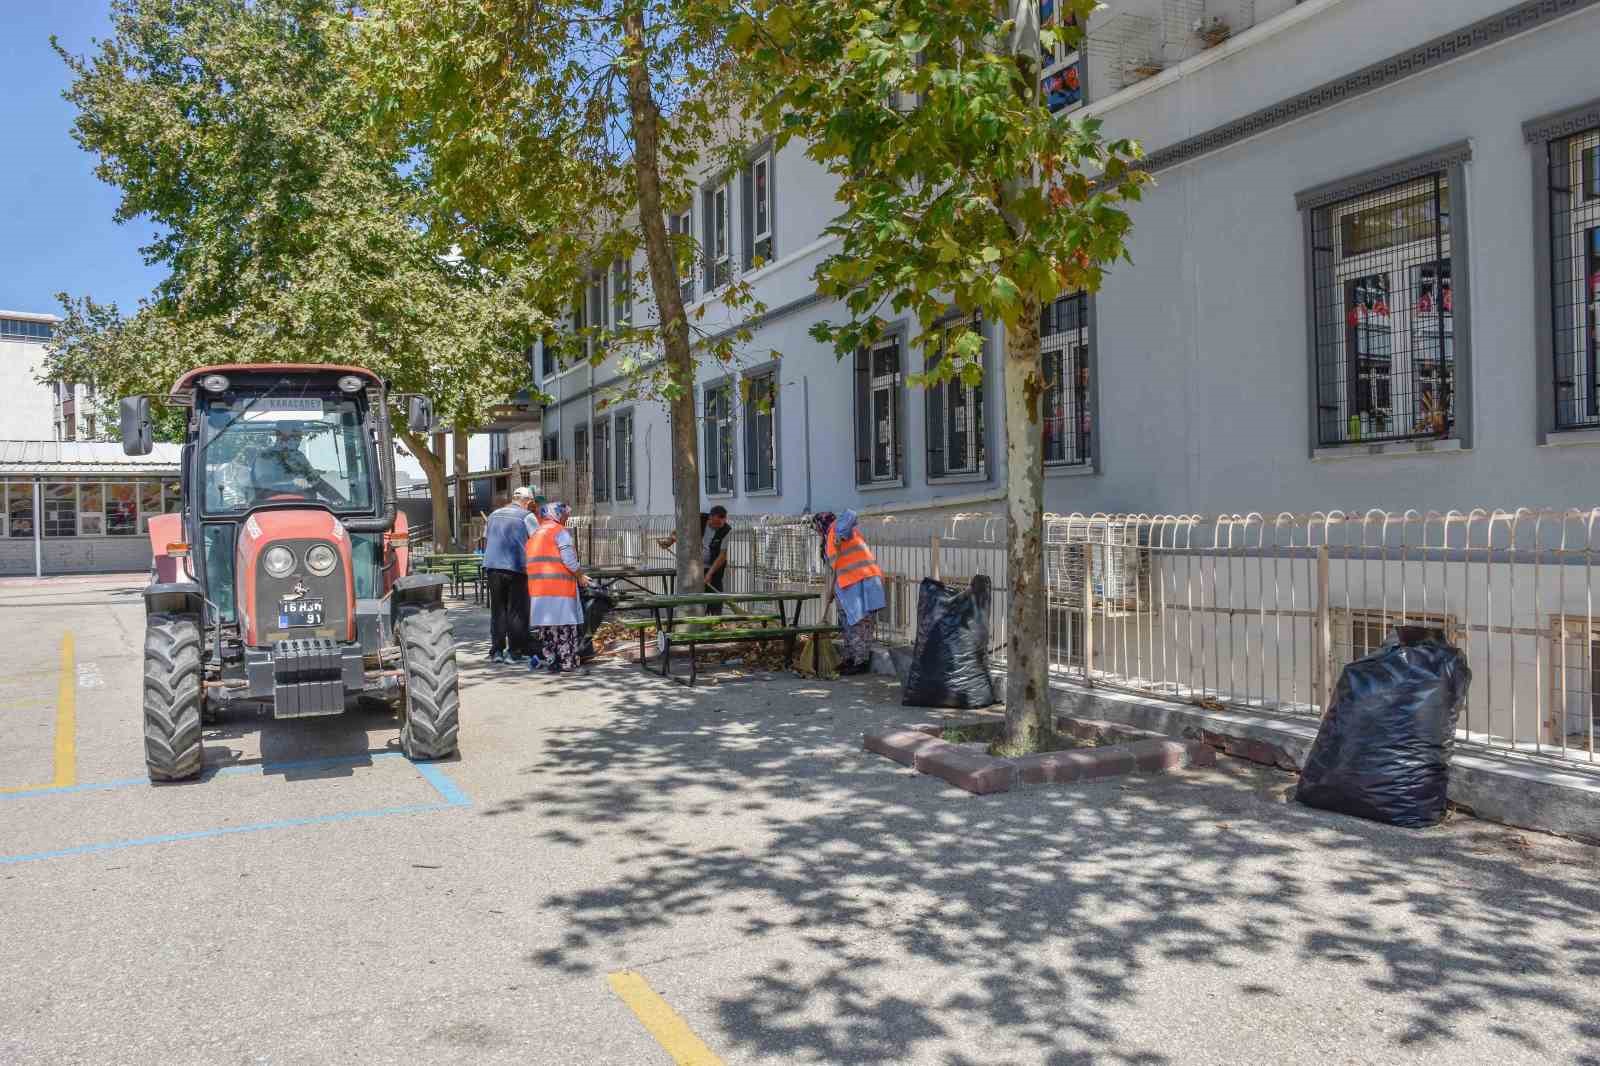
(430, 707)
(174, 696)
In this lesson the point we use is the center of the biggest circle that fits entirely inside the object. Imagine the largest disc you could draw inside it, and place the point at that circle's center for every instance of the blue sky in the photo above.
(57, 215)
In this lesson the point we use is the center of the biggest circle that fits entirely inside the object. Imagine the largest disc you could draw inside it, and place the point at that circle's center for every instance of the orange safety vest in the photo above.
(547, 574)
(852, 561)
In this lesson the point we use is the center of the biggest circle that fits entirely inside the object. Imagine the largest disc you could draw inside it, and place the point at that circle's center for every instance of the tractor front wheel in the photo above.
(430, 707)
(174, 696)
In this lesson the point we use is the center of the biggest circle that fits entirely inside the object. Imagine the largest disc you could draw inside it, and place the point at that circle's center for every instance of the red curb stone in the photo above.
(1108, 762)
(978, 774)
(1201, 753)
(901, 745)
(1158, 756)
(1052, 767)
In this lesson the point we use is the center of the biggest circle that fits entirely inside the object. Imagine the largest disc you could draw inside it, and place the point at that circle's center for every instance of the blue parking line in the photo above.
(450, 795)
(434, 774)
(65, 790)
(201, 834)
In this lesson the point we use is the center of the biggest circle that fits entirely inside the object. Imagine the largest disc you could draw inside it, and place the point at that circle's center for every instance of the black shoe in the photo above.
(554, 667)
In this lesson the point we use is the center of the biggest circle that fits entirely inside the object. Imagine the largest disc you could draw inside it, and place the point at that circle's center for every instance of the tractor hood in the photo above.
(281, 603)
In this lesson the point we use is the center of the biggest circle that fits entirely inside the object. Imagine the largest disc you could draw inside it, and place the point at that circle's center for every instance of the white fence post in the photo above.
(1323, 666)
(933, 555)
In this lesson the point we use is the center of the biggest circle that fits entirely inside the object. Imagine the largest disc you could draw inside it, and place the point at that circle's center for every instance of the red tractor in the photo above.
(285, 583)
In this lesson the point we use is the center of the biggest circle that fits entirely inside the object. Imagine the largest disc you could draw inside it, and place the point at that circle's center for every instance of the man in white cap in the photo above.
(504, 571)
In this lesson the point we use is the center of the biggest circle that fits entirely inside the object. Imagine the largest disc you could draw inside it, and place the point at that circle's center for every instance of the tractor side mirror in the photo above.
(137, 436)
(419, 415)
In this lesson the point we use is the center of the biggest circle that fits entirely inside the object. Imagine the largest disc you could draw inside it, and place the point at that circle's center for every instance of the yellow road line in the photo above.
(66, 744)
(67, 719)
(662, 1022)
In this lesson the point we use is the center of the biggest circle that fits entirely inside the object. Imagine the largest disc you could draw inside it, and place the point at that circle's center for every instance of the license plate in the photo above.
(299, 613)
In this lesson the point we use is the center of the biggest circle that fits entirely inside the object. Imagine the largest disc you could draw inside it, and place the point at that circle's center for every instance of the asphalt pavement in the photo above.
(768, 892)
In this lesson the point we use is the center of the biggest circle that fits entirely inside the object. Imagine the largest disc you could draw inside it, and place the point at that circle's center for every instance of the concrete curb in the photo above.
(1512, 790)
(969, 766)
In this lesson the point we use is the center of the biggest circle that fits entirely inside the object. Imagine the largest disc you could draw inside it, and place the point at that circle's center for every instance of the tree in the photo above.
(959, 190)
(289, 231)
(561, 134)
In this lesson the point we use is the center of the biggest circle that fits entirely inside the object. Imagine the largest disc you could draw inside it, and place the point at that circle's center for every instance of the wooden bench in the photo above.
(695, 640)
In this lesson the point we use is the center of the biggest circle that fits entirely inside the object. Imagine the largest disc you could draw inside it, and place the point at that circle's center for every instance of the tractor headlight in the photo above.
(278, 561)
(321, 560)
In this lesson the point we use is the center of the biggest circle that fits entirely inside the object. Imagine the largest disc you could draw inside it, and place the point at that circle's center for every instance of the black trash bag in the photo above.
(950, 664)
(1383, 751)
(597, 603)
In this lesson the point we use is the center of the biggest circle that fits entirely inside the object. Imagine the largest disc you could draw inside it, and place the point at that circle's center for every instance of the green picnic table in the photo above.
(634, 578)
(707, 630)
(459, 568)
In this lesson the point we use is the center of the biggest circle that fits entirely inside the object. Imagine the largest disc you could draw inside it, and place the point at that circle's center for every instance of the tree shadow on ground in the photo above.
(1036, 922)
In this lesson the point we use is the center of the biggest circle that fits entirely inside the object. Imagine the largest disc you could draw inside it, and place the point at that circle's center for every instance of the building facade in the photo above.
(1366, 277)
(82, 507)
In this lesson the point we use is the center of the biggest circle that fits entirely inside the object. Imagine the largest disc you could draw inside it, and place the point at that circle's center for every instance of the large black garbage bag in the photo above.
(950, 664)
(1383, 751)
(597, 603)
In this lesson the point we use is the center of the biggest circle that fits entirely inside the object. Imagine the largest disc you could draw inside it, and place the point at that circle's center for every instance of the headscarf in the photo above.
(555, 511)
(821, 522)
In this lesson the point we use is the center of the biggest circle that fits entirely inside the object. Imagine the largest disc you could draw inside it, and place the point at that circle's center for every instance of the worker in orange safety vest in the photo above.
(857, 586)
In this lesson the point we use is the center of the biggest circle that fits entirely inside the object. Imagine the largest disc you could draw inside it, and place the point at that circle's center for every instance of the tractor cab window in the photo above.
(265, 449)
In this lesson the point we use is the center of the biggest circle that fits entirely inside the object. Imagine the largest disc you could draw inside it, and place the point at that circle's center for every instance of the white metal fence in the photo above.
(1255, 610)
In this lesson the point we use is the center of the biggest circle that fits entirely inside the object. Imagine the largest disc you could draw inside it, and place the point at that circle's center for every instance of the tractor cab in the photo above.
(287, 569)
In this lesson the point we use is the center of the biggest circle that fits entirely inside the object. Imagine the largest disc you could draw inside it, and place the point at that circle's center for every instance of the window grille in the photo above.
(624, 448)
(878, 418)
(955, 417)
(551, 451)
(761, 434)
(601, 466)
(1384, 314)
(1574, 170)
(1064, 350)
(719, 445)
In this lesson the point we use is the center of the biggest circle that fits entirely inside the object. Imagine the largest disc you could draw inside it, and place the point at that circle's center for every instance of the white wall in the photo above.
(28, 412)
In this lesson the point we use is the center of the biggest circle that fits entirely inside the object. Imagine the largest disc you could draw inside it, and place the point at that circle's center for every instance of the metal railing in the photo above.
(1251, 610)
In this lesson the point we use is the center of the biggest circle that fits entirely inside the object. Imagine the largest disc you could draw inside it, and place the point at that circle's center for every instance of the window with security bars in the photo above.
(761, 433)
(1385, 315)
(719, 444)
(602, 460)
(624, 460)
(955, 416)
(879, 437)
(551, 450)
(1064, 352)
(1575, 278)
